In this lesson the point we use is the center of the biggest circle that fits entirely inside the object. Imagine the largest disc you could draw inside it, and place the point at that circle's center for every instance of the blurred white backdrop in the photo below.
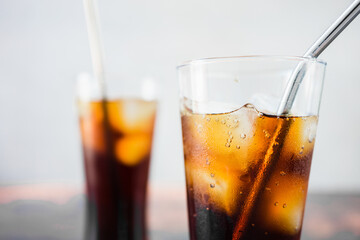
(44, 45)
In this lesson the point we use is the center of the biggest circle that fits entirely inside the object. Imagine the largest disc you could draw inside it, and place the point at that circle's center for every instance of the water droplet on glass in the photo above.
(277, 183)
(212, 174)
(267, 134)
(223, 121)
(227, 144)
(216, 119)
(208, 119)
(243, 135)
(282, 173)
(268, 189)
(207, 161)
(301, 151)
(238, 146)
(302, 147)
(276, 204)
(229, 133)
(212, 185)
(240, 193)
(284, 205)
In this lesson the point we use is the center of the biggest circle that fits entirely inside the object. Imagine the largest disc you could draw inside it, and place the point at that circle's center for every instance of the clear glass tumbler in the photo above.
(116, 134)
(247, 168)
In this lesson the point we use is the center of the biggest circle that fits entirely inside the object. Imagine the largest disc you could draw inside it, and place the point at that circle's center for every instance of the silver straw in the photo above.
(313, 52)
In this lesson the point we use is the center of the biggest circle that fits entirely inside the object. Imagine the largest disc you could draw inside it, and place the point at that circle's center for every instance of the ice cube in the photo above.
(282, 208)
(223, 191)
(132, 115)
(265, 103)
(131, 150)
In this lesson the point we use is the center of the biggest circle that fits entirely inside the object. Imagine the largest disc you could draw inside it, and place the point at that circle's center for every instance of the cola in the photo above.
(116, 138)
(246, 173)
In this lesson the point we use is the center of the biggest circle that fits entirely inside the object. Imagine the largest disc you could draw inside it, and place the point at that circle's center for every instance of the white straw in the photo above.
(96, 47)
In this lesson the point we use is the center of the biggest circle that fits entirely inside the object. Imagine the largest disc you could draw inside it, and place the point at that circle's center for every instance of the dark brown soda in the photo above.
(223, 158)
(116, 168)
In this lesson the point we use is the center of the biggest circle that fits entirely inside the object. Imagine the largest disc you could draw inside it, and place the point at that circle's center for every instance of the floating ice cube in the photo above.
(265, 103)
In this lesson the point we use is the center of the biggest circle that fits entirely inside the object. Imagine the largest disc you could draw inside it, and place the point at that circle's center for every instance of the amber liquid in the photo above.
(116, 147)
(223, 158)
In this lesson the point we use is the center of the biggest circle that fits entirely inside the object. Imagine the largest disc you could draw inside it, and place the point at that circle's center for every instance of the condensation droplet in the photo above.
(277, 183)
(208, 119)
(282, 173)
(238, 146)
(212, 174)
(227, 144)
(243, 135)
(267, 134)
(268, 189)
(229, 133)
(276, 204)
(302, 147)
(240, 193)
(212, 185)
(216, 119)
(276, 143)
(207, 161)
(301, 151)
(284, 205)
(223, 121)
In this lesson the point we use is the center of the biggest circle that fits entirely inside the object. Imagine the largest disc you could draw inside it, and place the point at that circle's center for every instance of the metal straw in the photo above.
(274, 149)
(313, 52)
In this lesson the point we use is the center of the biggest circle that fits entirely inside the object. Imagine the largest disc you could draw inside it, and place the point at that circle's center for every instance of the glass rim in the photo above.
(245, 57)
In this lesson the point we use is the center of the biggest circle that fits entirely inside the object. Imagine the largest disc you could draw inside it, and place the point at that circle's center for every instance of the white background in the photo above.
(44, 45)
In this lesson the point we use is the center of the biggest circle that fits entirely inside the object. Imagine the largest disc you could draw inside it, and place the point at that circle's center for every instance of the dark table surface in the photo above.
(56, 212)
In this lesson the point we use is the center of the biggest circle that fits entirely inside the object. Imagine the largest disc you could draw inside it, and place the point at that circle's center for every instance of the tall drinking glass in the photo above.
(247, 169)
(116, 135)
